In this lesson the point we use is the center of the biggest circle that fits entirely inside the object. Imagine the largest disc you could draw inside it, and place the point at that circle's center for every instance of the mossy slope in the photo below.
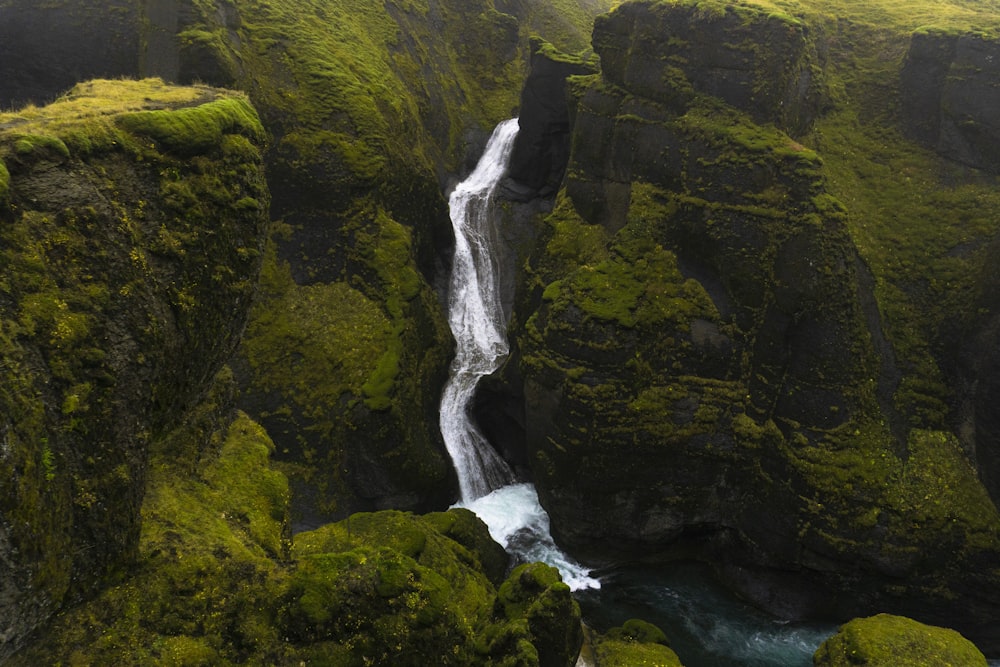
(127, 273)
(220, 581)
(372, 107)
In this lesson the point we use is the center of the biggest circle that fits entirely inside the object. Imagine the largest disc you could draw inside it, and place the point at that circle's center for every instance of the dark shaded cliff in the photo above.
(133, 217)
(727, 346)
(949, 97)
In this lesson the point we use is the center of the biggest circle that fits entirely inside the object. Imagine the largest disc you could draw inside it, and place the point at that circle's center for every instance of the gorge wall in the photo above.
(711, 361)
(757, 326)
(132, 231)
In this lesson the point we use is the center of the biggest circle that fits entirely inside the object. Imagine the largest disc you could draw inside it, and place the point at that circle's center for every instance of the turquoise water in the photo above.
(707, 626)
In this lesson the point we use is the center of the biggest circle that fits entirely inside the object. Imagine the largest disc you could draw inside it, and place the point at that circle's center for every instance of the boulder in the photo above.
(885, 641)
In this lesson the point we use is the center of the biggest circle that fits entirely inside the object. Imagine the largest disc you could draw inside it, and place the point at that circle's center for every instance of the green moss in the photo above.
(27, 144)
(625, 653)
(4, 180)
(923, 14)
(644, 290)
(80, 259)
(196, 129)
(218, 582)
(339, 337)
(884, 640)
(204, 590)
(939, 488)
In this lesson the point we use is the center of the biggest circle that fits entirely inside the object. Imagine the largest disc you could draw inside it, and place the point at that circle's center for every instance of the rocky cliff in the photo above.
(220, 581)
(372, 112)
(721, 357)
(133, 217)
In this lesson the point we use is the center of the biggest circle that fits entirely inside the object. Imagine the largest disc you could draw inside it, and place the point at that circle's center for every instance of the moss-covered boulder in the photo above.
(220, 580)
(535, 594)
(636, 643)
(132, 227)
(722, 346)
(884, 640)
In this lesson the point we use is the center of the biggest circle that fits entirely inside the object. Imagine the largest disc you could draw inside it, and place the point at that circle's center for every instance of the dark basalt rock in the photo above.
(704, 368)
(541, 149)
(756, 62)
(950, 98)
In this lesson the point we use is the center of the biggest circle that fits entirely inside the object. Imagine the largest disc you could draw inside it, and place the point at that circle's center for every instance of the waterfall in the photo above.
(475, 312)
(476, 318)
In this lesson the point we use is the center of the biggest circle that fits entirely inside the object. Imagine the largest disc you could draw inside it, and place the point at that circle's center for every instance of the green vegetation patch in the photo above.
(638, 286)
(196, 129)
(923, 226)
(219, 581)
(886, 641)
(315, 343)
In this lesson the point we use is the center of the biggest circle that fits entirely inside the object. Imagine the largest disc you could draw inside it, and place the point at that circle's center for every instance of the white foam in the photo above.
(518, 522)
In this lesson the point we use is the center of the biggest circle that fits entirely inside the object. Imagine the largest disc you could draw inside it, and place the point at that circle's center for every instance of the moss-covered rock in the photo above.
(759, 61)
(705, 350)
(220, 581)
(886, 640)
(129, 260)
(635, 643)
(535, 594)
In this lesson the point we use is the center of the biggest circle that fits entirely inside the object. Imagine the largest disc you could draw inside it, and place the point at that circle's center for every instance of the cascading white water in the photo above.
(475, 312)
(476, 318)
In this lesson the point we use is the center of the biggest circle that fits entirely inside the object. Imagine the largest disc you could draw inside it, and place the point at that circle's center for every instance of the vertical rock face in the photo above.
(131, 240)
(949, 100)
(758, 62)
(950, 97)
(703, 360)
(43, 53)
(542, 147)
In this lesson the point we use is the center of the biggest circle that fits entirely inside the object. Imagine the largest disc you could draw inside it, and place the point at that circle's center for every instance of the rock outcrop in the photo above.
(884, 641)
(949, 97)
(133, 217)
(705, 365)
(541, 149)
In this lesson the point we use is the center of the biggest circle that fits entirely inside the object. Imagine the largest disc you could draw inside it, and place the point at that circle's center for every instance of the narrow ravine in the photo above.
(475, 313)
(711, 628)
